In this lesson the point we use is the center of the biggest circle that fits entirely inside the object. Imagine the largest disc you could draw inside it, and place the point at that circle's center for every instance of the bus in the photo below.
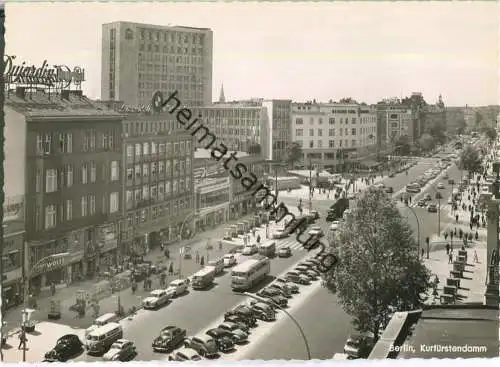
(244, 276)
(203, 278)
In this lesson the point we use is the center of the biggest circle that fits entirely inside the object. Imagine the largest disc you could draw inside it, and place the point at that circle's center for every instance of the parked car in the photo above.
(67, 346)
(294, 289)
(223, 338)
(204, 345)
(156, 299)
(243, 313)
(121, 350)
(297, 278)
(184, 354)
(359, 346)
(170, 337)
(240, 336)
(274, 295)
(229, 260)
(284, 251)
(427, 197)
(242, 322)
(283, 288)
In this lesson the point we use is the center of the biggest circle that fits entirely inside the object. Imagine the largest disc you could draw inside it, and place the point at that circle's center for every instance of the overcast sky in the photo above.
(321, 51)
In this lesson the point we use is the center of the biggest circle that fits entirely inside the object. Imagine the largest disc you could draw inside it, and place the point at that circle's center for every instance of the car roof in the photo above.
(169, 327)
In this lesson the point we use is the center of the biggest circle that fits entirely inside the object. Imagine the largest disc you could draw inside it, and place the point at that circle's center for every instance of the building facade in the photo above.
(139, 59)
(279, 122)
(331, 133)
(158, 182)
(398, 122)
(241, 126)
(72, 182)
(212, 202)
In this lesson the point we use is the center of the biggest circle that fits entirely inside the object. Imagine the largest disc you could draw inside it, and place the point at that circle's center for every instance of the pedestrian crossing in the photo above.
(290, 242)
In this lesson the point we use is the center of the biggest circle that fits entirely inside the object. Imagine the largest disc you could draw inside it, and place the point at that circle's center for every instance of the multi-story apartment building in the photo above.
(70, 168)
(241, 126)
(139, 59)
(397, 123)
(158, 181)
(279, 122)
(332, 133)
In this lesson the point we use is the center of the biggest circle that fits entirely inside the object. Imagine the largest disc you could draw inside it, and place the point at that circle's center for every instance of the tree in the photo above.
(348, 100)
(470, 159)
(402, 145)
(379, 266)
(490, 132)
(427, 142)
(294, 153)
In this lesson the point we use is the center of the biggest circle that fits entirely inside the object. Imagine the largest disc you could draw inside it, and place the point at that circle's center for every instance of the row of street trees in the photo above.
(379, 264)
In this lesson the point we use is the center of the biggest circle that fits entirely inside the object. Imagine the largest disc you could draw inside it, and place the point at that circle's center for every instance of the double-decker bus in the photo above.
(244, 276)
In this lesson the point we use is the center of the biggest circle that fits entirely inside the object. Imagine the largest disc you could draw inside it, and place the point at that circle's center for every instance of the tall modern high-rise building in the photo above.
(139, 59)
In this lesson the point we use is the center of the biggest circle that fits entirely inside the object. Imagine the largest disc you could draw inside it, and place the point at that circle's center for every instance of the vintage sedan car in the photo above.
(241, 314)
(177, 287)
(432, 208)
(284, 251)
(294, 288)
(224, 339)
(229, 260)
(239, 335)
(184, 354)
(121, 350)
(316, 231)
(67, 346)
(274, 295)
(170, 337)
(297, 278)
(359, 346)
(156, 299)
(250, 250)
(283, 288)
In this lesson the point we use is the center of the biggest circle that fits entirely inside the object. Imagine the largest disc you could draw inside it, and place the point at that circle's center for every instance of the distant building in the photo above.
(139, 59)
(332, 133)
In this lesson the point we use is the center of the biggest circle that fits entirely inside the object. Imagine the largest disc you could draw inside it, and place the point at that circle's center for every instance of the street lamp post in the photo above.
(438, 197)
(418, 229)
(301, 331)
(27, 271)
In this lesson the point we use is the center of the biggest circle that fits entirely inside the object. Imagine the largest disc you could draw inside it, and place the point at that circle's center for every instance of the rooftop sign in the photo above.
(45, 74)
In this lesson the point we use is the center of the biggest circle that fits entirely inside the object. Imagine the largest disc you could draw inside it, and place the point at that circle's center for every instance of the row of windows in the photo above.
(184, 66)
(165, 209)
(135, 128)
(91, 140)
(159, 168)
(165, 149)
(230, 113)
(158, 191)
(331, 120)
(165, 49)
(179, 37)
(54, 215)
(58, 178)
(331, 132)
(331, 143)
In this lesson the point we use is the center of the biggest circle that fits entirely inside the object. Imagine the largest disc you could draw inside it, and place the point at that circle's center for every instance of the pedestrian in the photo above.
(471, 225)
(447, 249)
(450, 258)
(171, 269)
(476, 259)
(455, 231)
(476, 236)
(22, 340)
(253, 232)
(258, 238)
(134, 287)
(197, 257)
(202, 261)
(422, 252)
(220, 245)
(445, 235)
(456, 218)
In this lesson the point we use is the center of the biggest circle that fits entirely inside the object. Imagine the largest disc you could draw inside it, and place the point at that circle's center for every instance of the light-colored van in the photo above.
(101, 321)
(101, 339)
(218, 264)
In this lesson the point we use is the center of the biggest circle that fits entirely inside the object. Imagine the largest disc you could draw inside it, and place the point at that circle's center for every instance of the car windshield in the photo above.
(117, 346)
(352, 343)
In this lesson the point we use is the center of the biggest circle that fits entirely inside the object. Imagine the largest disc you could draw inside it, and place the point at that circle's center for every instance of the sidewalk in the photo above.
(67, 295)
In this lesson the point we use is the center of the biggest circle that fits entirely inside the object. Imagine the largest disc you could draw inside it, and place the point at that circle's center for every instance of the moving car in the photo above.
(440, 186)
(315, 231)
(250, 250)
(67, 346)
(184, 354)
(156, 299)
(229, 260)
(274, 295)
(121, 350)
(427, 197)
(169, 338)
(280, 233)
(422, 203)
(432, 208)
(223, 338)
(335, 225)
(177, 288)
(389, 190)
(284, 251)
